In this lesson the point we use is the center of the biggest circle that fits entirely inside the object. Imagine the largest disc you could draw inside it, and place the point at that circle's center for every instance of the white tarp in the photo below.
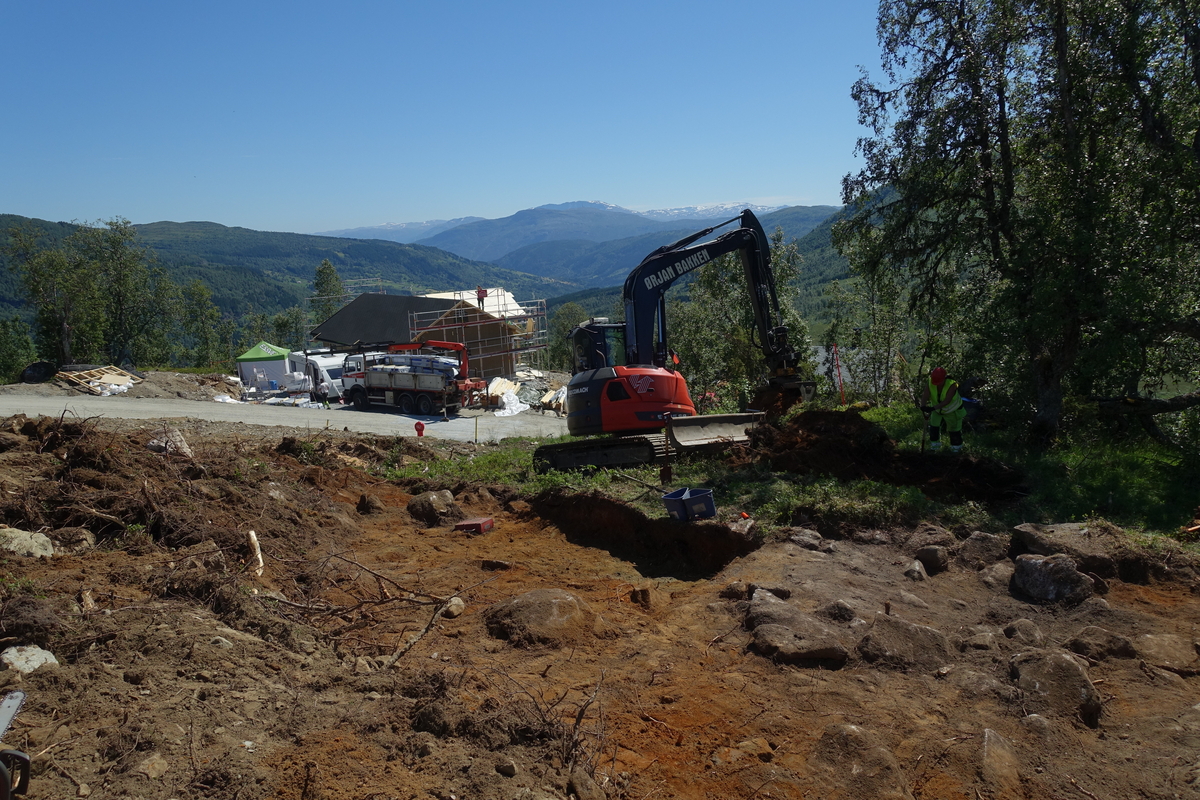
(511, 405)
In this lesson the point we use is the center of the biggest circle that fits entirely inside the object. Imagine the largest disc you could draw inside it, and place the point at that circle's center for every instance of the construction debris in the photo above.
(103, 381)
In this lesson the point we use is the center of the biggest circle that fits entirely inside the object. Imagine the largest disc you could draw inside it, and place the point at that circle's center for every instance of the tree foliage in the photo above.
(1043, 165)
(558, 351)
(329, 293)
(714, 333)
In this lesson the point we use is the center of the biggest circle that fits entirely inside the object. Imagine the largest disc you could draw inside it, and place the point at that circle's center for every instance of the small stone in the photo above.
(916, 571)
(221, 641)
(153, 767)
(454, 608)
(507, 768)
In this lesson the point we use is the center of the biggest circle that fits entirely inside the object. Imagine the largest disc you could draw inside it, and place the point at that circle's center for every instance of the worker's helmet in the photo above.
(938, 376)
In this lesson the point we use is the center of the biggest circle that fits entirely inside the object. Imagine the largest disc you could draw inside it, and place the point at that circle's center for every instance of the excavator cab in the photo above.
(597, 343)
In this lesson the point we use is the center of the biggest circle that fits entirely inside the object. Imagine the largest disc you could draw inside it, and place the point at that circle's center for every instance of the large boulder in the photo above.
(435, 508)
(1086, 545)
(1098, 644)
(26, 543)
(898, 644)
(1051, 579)
(784, 633)
(1169, 651)
(852, 762)
(980, 550)
(549, 617)
(1055, 681)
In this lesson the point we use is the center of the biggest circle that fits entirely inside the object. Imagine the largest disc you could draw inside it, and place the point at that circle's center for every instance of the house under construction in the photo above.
(502, 335)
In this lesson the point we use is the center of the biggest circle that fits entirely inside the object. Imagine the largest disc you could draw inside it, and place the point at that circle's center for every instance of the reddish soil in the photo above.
(183, 674)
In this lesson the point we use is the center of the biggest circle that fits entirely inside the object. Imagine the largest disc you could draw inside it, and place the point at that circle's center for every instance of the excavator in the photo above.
(625, 381)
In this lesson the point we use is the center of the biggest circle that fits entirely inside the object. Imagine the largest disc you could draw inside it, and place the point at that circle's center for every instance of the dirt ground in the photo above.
(347, 670)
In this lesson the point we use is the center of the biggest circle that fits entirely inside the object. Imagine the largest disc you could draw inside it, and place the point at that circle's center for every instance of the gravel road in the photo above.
(471, 425)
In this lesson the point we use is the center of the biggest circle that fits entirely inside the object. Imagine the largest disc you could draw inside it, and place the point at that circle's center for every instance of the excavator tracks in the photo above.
(620, 451)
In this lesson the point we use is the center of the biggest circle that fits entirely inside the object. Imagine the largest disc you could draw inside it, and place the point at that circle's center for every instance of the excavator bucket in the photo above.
(712, 432)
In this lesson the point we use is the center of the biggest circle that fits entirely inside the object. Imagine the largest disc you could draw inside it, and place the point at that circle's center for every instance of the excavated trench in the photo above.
(658, 548)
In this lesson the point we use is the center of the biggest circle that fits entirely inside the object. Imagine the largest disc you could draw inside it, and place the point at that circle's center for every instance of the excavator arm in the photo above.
(645, 290)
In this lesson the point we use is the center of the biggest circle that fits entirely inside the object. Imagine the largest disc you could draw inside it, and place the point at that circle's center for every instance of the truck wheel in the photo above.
(360, 400)
(406, 403)
(424, 405)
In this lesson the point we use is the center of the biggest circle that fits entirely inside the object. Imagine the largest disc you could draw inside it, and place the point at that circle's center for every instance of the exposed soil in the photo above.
(336, 674)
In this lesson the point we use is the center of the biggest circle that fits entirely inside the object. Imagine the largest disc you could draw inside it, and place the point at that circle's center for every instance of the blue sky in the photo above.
(305, 116)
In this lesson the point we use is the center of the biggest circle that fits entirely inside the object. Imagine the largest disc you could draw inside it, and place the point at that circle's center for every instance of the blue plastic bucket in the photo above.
(700, 504)
(274, 385)
(676, 504)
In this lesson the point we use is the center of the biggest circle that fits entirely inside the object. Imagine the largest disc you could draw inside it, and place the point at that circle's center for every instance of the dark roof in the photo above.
(373, 318)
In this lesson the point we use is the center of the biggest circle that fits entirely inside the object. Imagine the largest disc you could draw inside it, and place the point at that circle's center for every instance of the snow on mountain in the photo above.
(711, 211)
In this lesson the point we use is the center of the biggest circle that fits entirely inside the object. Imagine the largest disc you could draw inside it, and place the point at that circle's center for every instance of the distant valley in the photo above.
(554, 252)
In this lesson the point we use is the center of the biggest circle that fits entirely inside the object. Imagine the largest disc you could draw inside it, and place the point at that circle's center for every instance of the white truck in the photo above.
(317, 366)
(413, 381)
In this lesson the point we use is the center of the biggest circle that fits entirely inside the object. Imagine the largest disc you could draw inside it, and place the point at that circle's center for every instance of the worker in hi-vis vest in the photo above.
(942, 403)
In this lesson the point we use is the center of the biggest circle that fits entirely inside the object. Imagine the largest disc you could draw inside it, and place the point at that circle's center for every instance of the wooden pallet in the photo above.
(111, 376)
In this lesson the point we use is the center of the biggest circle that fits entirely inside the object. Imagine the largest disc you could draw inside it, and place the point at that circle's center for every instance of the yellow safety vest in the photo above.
(936, 397)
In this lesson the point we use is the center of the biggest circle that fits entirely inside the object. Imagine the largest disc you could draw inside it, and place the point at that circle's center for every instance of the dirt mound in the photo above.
(848, 447)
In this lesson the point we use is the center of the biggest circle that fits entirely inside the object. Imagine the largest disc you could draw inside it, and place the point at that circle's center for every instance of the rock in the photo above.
(27, 658)
(495, 565)
(1098, 644)
(1051, 579)
(787, 635)
(935, 558)
(852, 763)
(789, 646)
(1025, 631)
(153, 767)
(1167, 650)
(26, 543)
(1073, 539)
(507, 768)
(454, 608)
(518, 507)
(583, 787)
(897, 644)
(649, 598)
(838, 611)
(910, 599)
(998, 576)
(980, 550)
(1000, 766)
(735, 591)
(810, 540)
(72, 541)
(369, 504)
(980, 641)
(435, 508)
(551, 617)
(1056, 681)
(929, 535)
(171, 442)
(1036, 723)
(980, 684)
(916, 571)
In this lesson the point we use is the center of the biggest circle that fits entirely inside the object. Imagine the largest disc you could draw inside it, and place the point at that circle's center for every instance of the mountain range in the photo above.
(546, 252)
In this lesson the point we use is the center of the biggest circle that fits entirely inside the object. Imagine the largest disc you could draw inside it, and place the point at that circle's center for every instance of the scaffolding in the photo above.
(502, 335)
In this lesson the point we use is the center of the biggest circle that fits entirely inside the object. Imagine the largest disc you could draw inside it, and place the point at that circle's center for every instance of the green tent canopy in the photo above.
(263, 351)
(262, 365)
